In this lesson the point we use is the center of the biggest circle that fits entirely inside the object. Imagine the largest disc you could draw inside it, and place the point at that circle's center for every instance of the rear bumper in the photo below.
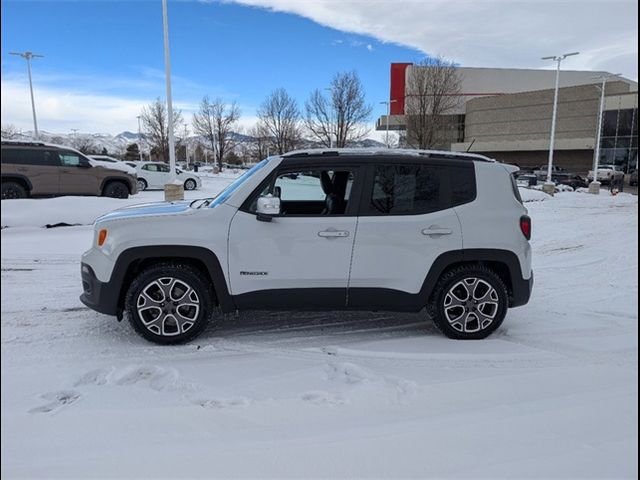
(99, 296)
(522, 289)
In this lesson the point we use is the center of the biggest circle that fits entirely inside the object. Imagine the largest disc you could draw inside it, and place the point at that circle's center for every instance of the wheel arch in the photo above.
(16, 177)
(503, 263)
(107, 180)
(131, 261)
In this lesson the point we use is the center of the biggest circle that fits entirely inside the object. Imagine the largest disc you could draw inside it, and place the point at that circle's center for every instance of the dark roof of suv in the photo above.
(23, 143)
(361, 153)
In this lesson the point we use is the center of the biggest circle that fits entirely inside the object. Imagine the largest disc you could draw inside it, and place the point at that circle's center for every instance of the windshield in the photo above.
(233, 186)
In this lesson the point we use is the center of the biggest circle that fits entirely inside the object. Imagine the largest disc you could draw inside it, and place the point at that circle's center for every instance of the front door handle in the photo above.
(333, 233)
(436, 231)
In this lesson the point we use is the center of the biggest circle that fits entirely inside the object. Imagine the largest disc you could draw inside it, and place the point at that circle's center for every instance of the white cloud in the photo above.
(60, 109)
(489, 33)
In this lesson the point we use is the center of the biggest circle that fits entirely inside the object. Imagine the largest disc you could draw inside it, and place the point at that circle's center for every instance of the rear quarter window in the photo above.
(516, 190)
(463, 184)
(26, 156)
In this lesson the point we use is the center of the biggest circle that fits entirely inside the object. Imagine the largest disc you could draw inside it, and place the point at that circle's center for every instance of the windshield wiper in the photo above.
(205, 202)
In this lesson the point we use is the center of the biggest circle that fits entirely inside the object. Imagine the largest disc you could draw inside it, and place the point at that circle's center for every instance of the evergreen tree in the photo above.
(132, 153)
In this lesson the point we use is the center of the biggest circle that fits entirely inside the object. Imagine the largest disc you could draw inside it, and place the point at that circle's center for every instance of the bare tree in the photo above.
(342, 116)
(155, 122)
(215, 121)
(260, 145)
(434, 89)
(84, 144)
(279, 117)
(9, 131)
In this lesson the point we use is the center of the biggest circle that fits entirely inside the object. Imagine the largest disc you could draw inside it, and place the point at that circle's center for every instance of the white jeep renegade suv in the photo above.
(322, 230)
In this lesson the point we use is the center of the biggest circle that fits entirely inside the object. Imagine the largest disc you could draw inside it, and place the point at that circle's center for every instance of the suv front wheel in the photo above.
(116, 190)
(169, 303)
(469, 302)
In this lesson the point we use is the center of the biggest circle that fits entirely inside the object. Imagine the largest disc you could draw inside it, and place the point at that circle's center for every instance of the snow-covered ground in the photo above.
(553, 393)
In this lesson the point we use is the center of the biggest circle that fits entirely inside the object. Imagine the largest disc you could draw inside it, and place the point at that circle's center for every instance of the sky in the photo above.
(103, 60)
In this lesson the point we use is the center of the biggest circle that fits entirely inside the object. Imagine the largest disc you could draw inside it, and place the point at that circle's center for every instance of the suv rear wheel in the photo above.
(469, 302)
(13, 190)
(116, 190)
(169, 303)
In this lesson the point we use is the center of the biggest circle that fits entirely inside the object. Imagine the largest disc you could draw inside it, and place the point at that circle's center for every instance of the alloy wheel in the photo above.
(168, 306)
(471, 305)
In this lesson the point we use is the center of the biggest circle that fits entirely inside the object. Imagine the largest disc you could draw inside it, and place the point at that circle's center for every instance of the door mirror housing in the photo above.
(267, 206)
(84, 164)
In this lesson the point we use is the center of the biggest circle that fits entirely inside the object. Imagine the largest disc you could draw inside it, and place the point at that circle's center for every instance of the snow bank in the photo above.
(533, 195)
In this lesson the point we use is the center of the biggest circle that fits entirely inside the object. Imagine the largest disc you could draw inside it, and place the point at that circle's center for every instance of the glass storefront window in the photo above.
(625, 121)
(623, 142)
(610, 124)
(619, 142)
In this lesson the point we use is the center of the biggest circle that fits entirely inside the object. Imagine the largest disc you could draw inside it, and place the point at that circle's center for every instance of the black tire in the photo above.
(13, 191)
(190, 184)
(162, 329)
(142, 184)
(458, 321)
(116, 190)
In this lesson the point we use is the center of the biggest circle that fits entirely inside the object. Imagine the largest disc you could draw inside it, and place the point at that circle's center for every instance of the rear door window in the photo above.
(419, 189)
(406, 190)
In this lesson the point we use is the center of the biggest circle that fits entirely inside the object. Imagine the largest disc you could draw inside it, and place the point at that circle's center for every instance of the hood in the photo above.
(123, 167)
(147, 210)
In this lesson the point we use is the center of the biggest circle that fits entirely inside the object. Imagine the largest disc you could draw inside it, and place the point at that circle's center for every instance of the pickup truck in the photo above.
(607, 173)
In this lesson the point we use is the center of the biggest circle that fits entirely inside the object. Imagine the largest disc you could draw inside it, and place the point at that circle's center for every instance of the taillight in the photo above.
(525, 226)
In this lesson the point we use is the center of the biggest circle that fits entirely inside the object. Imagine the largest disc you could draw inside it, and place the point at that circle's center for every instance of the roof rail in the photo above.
(321, 152)
(23, 142)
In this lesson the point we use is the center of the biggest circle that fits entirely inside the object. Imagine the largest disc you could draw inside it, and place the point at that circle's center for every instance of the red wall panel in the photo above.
(398, 87)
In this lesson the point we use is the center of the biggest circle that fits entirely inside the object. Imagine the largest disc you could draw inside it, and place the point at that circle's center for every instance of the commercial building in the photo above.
(506, 114)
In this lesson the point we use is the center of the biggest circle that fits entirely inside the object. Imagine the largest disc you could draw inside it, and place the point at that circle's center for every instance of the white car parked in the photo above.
(110, 162)
(155, 175)
(607, 173)
(396, 230)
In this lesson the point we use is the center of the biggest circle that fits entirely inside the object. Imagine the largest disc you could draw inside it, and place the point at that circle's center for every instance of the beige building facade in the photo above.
(506, 114)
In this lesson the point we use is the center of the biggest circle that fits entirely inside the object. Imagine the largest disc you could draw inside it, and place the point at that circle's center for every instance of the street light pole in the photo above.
(28, 56)
(594, 186)
(549, 186)
(169, 191)
(388, 104)
(139, 139)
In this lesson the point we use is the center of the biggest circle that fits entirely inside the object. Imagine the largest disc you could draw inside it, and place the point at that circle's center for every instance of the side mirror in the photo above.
(267, 206)
(84, 164)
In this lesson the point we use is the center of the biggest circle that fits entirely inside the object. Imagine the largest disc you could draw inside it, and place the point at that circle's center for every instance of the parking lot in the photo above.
(553, 391)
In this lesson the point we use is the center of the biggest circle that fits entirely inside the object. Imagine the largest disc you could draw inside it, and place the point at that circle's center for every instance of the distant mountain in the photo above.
(117, 144)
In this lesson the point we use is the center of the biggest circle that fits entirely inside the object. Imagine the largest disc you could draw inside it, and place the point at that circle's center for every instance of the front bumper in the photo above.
(99, 296)
(521, 293)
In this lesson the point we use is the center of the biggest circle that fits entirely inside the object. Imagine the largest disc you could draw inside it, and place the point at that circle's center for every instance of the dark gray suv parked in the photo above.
(39, 169)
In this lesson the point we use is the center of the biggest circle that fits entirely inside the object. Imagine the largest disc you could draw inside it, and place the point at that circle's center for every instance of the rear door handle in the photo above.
(436, 231)
(333, 233)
